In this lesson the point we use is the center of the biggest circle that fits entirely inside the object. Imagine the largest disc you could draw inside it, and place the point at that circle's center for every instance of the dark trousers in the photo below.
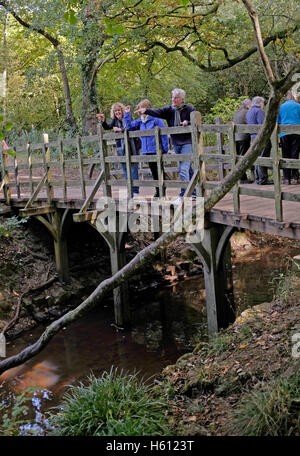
(241, 149)
(261, 172)
(154, 172)
(290, 145)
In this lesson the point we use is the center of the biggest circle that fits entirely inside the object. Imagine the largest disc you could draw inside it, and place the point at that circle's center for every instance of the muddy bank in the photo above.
(233, 385)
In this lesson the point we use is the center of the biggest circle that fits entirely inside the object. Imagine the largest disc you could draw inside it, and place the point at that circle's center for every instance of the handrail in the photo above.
(20, 176)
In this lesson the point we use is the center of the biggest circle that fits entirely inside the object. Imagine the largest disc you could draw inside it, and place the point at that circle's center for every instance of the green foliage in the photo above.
(112, 405)
(224, 108)
(8, 227)
(282, 283)
(272, 411)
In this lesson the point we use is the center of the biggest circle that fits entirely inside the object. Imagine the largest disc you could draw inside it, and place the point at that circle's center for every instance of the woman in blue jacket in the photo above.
(146, 122)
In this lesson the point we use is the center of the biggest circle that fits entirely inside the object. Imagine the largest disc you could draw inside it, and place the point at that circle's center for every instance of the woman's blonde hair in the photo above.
(116, 106)
(143, 104)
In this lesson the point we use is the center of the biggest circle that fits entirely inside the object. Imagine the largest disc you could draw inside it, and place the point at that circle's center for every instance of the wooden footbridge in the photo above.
(59, 182)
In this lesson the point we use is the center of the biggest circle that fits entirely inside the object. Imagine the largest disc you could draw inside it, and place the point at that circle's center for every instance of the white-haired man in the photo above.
(177, 114)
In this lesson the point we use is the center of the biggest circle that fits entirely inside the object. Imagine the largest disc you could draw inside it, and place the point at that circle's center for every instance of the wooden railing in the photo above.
(67, 163)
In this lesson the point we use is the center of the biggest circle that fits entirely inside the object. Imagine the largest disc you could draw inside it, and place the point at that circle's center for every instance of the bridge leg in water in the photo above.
(215, 254)
(115, 240)
(121, 298)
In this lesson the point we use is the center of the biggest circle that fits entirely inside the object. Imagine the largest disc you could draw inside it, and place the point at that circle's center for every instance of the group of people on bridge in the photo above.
(178, 114)
(251, 112)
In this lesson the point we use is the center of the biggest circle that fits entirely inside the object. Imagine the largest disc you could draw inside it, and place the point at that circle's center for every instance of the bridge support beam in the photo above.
(116, 242)
(57, 226)
(215, 254)
(121, 296)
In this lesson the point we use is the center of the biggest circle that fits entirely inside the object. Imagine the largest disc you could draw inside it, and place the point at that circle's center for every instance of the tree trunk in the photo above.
(70, 119)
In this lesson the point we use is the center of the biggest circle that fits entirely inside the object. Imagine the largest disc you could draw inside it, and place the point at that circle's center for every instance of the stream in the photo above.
(166, 322)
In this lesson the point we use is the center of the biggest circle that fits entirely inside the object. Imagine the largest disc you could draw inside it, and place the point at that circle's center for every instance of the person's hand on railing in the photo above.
(127, 108)
(184, 123)
(101, 117)
(116, 129)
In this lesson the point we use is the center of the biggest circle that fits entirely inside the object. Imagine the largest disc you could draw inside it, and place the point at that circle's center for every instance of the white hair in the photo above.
(256, 101)
(179, 92)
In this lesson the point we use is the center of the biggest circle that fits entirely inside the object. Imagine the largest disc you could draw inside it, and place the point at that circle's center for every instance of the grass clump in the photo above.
(112, 405)
(274, 411)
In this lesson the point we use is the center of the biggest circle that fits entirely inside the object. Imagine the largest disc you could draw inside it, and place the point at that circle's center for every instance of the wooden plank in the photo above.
(220, 141)
(88, 216)
(37, 211)
(46, 159)
(29, 165)
(37, 191)
(104, 165)
(63, 168)
(128, 163)
(16, 172)
(235, 189)
(161, 186)
(81, 173)
(276, 175)
(93, 192)
(198, 162)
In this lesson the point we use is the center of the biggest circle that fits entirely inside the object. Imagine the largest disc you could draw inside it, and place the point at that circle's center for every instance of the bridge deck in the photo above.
(46, 172)
(256, 213)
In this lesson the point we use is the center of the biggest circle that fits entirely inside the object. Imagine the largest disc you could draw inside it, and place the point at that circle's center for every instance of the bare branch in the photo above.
(260, 44)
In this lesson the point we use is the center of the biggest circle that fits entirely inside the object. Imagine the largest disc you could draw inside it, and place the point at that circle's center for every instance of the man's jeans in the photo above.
(134, 169)
(185, 169)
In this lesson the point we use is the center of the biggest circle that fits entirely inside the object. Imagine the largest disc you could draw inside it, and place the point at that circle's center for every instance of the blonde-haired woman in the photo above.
(116, 124)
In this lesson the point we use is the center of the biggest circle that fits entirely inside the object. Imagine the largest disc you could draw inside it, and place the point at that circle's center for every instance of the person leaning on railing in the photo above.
(117, 125)
(256, 116)
(146, 122)
(177, 114)
(289, 114)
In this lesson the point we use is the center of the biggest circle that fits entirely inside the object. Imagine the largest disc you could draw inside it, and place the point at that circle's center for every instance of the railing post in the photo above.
(161, 185)
(16, 174)
(276, 175)
(80, 163)
(5, 177)
(236, 189)
(46, 159)
(197, 146)
(63, 168)
(104, 166)
(29, 164)
(128, 163)
(220, 144)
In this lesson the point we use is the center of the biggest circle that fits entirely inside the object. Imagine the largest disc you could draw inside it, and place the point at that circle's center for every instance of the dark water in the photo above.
(165, 325)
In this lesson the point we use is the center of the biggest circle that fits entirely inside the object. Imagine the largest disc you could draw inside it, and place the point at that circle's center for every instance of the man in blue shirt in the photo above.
(289, 114)
(256, 116)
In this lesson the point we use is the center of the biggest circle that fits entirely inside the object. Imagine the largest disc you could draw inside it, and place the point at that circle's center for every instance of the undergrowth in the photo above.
(272, 411)
(115, 404)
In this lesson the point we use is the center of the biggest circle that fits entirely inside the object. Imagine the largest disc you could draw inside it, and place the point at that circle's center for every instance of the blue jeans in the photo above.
(134, 169)
(185, 168)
